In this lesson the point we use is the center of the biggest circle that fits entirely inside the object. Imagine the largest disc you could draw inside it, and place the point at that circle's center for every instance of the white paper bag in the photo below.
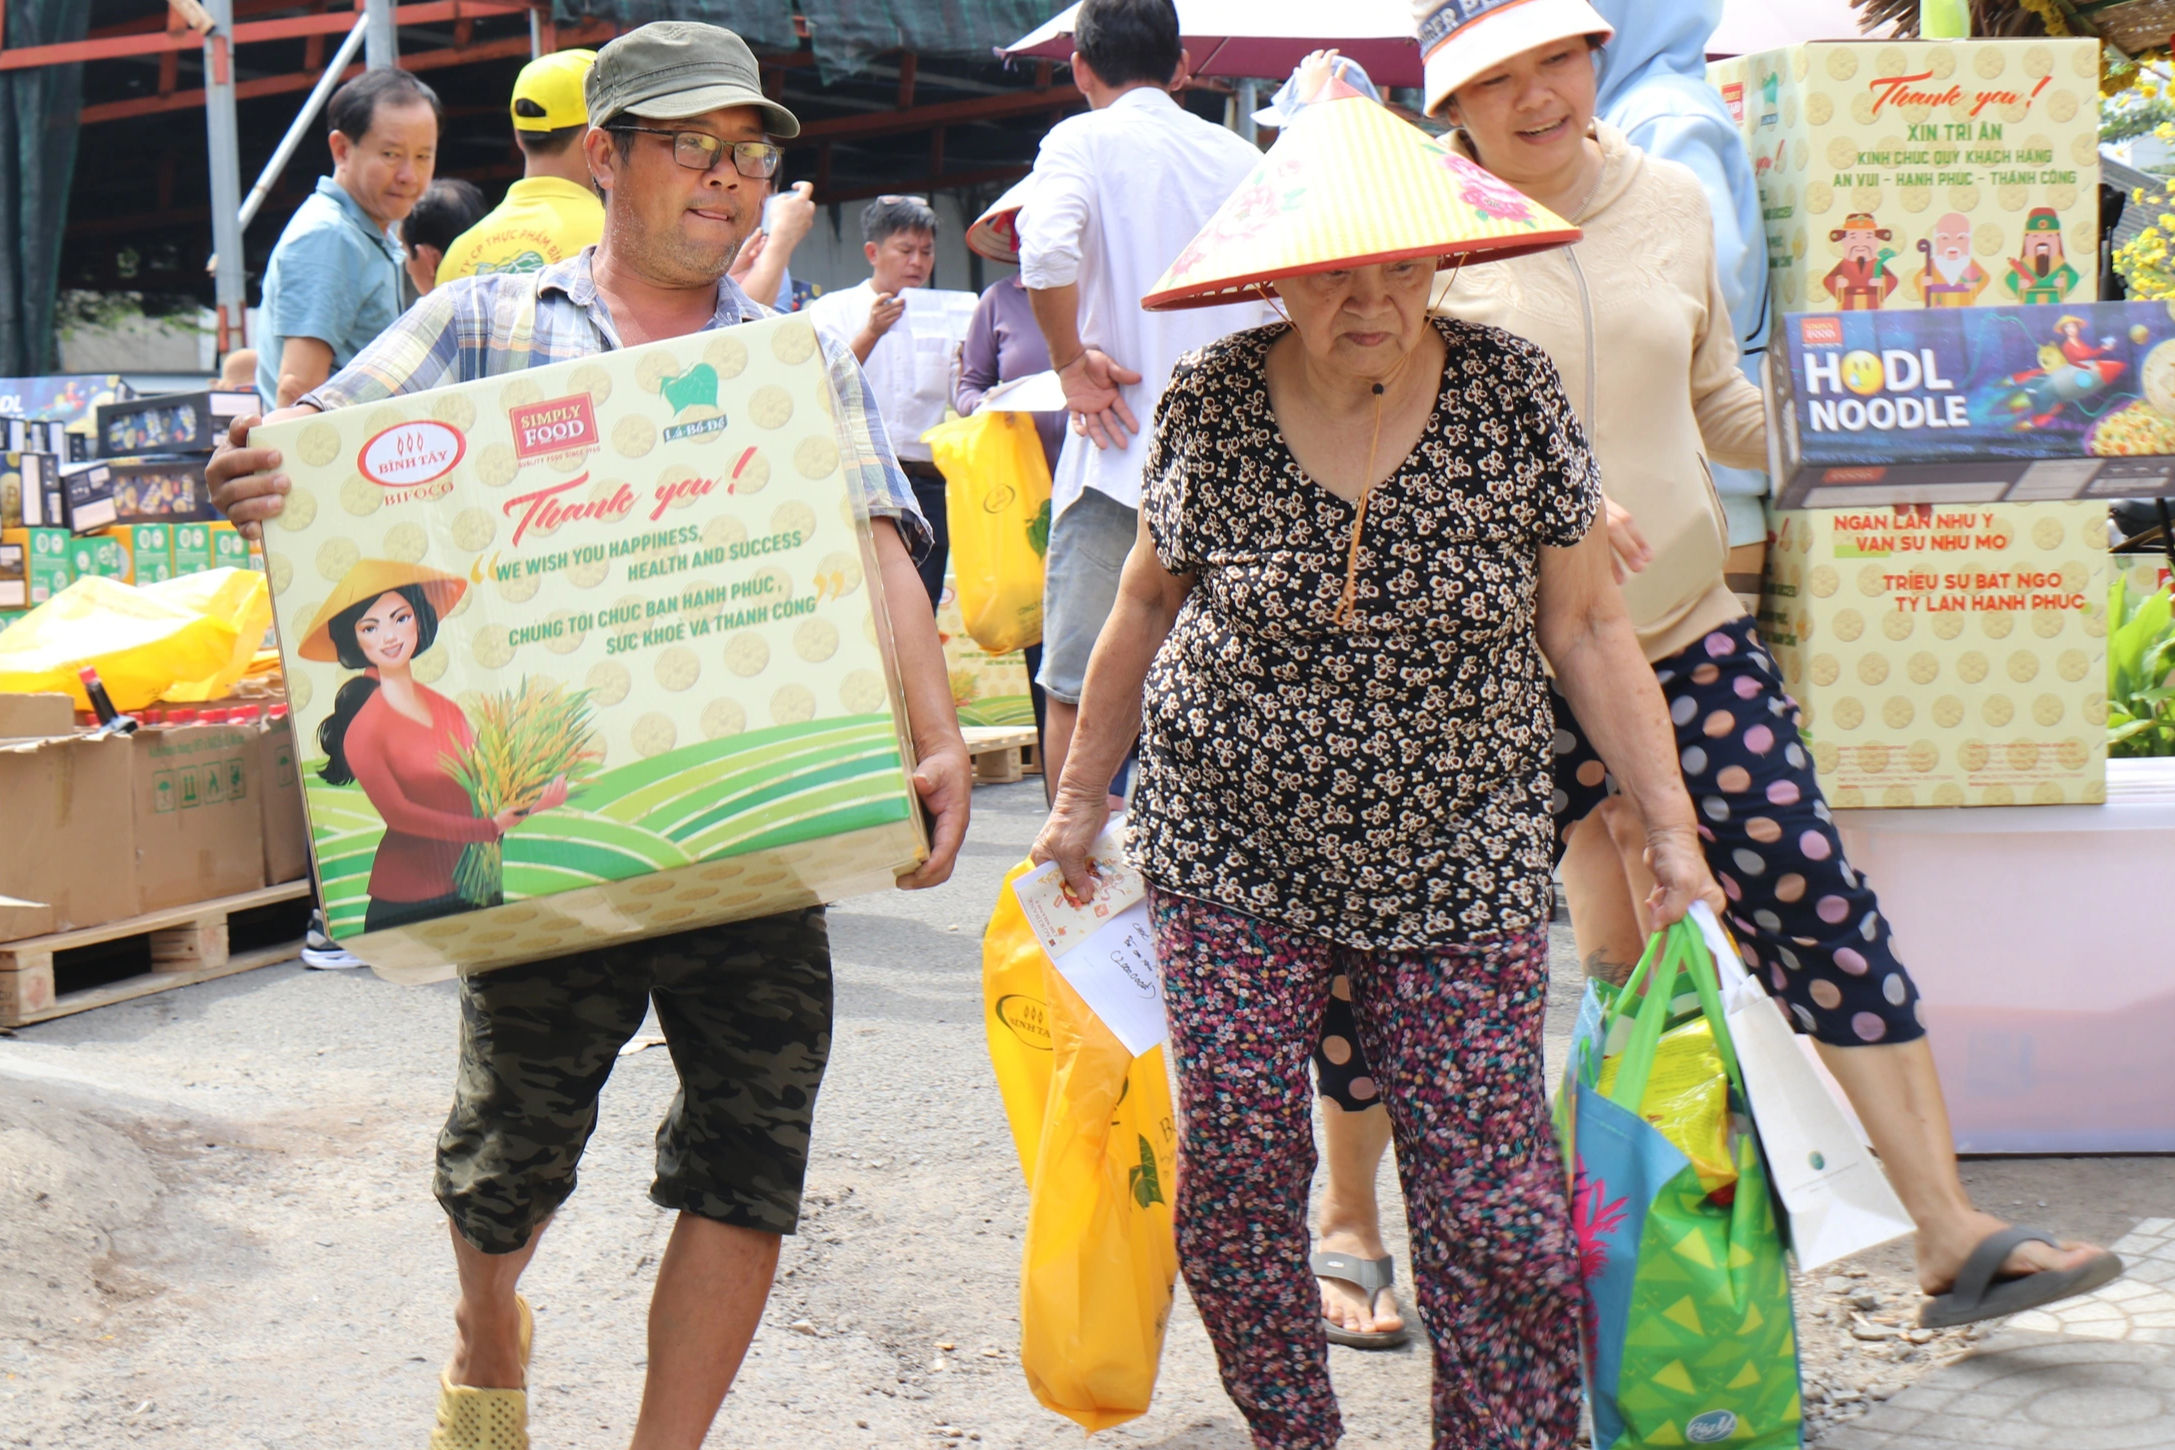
(1837, 1197)
(1103, 945)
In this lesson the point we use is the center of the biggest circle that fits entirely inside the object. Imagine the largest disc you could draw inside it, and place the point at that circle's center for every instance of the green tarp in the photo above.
(38, 109)
(846, 34)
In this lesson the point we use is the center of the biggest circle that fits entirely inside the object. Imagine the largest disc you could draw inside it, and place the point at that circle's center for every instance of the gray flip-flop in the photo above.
(1370, 1277)
(1979, 1295)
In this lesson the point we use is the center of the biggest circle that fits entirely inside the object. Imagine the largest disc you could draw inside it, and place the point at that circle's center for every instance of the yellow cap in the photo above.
(553, 84)
(1347, 184)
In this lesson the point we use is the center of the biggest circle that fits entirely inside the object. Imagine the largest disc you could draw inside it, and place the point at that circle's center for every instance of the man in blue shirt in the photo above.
(333, 283)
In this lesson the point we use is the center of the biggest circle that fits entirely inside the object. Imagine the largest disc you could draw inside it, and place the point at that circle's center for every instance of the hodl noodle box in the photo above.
(647, 575)
(1900, 174)
(1979, 405)
(1946, 656)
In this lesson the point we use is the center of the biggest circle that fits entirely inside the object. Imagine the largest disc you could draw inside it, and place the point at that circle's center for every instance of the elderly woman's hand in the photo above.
(1680, 875)
(1076, 819)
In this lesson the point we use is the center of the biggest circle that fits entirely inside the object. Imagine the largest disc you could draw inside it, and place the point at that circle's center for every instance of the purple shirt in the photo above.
(1004, 343)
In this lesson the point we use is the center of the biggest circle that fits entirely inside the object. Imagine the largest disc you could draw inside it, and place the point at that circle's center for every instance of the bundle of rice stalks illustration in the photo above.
(525, 739)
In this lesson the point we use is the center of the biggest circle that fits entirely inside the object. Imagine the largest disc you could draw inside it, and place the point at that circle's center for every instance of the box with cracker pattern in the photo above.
(587, 653)
(1923, 173)
(1946, 656)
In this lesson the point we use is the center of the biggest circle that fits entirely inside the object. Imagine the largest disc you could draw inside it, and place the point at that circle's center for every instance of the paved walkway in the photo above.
(2097, 1373)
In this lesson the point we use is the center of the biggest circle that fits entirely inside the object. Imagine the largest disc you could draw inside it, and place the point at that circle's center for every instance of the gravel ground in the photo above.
(216, 1227)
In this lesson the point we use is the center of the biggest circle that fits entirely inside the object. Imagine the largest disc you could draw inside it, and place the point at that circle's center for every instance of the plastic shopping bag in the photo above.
(997, 487)
(1016, 1016)
(1686, 1330)
(1097, 1137)
(1836, 1198)
(189, 638)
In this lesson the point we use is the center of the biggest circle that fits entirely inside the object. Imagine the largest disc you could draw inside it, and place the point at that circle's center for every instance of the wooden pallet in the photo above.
(1002, 753)
(187, 944)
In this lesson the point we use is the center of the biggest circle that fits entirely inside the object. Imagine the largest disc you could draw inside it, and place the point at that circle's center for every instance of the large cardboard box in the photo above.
(25, 717)
(1951, 406)
(1924, 173)
(1946, 656)
(278, 783)
(664, 546)
(70, 837)
(198, 828)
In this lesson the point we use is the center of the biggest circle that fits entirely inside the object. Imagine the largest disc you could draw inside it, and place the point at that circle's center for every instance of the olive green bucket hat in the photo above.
(670, 70)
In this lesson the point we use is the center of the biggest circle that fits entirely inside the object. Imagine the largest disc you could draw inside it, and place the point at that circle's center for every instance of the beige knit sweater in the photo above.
(1634, 319)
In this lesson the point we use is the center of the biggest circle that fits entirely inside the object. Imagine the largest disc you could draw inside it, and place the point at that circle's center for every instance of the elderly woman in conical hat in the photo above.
(1632, 317)
(1363, 531)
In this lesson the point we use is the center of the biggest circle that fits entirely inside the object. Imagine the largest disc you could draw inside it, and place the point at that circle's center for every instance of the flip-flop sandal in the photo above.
(470, 1418)
(1977, 1294)
(1371, 1277)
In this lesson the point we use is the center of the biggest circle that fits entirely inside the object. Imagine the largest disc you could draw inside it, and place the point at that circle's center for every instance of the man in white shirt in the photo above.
(1118, 193)
(906, 335)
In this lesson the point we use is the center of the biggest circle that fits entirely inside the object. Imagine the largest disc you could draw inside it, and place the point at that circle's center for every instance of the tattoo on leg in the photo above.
(1600, 968)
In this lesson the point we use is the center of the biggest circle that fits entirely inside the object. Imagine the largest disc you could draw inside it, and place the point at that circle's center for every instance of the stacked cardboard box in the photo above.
(103, 829)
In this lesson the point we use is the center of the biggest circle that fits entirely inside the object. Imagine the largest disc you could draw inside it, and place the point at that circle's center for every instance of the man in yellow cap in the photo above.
(552, 212)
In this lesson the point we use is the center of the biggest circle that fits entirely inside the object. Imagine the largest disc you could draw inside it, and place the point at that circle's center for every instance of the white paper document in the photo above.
(1101, 945)
(1035, 393)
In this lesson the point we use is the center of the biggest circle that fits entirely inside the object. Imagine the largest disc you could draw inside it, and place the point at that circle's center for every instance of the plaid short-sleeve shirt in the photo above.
(471, 328)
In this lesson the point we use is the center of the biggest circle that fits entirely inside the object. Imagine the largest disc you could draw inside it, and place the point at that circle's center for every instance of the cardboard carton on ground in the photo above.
(278, 783)
(70, 842)
(669, 538)
(1946, 656)
(197, 823)
(2023, 404)
(1902, 174)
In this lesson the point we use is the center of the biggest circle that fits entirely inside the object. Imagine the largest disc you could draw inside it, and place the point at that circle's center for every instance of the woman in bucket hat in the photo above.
(391, 734)
(1634, 320)
(1361, 530)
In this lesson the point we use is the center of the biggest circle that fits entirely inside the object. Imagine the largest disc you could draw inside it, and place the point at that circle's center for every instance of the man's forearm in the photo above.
(1057, 314)
(932, 718)
(304, 364)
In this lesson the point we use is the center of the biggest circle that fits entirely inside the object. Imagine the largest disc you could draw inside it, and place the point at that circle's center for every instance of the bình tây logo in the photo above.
(559, 425)
(408, 455)
(1820, 332)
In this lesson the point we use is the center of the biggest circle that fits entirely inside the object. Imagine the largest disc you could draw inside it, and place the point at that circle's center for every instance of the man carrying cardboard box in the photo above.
(679, 146)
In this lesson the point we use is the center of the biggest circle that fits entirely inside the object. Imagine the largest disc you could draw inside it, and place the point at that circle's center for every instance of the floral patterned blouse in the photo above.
(1383, 782)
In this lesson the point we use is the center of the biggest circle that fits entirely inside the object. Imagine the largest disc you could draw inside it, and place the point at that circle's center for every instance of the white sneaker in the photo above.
(321, 953)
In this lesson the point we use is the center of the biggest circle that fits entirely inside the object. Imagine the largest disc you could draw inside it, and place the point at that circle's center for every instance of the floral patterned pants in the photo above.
(1454, 1037)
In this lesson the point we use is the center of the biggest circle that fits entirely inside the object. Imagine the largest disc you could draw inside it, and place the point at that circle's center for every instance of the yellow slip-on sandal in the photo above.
(485, 1419)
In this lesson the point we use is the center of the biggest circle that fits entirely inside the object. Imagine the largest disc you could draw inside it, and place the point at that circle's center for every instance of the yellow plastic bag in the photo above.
(1017, 1019)
(1100, 1258)
(997, 490)
(1687, 1098)
(197, 633)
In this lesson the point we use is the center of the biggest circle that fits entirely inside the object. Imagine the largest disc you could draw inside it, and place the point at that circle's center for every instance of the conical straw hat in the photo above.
(365, 582)
(996, 232)
(1349, 184)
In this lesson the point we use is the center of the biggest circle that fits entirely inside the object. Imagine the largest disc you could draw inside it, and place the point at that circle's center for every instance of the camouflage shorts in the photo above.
(746, 1011)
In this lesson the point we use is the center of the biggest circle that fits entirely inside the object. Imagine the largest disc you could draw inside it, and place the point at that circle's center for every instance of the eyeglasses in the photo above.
(699, 151)
(895, 200)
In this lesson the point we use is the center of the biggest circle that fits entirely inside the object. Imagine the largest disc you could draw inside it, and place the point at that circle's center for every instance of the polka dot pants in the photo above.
(1455, 1034)
(1803, 917)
